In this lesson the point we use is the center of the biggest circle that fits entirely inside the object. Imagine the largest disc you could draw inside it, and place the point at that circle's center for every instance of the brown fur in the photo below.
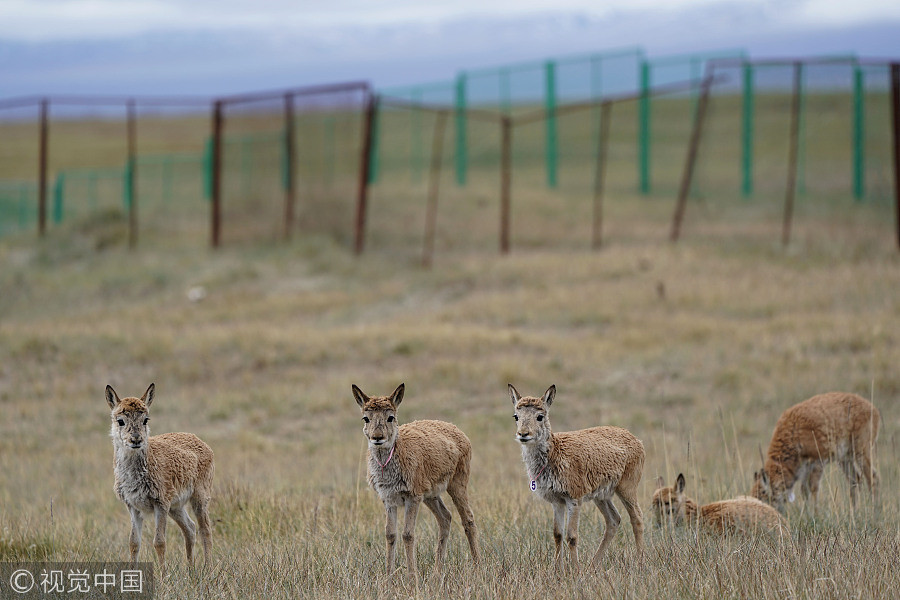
(413, 463)
(835, 426)
(741, 515)
(571, 467)
(159, 475)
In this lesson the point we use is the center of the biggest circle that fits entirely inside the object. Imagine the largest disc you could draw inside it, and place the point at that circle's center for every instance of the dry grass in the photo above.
(696, 348)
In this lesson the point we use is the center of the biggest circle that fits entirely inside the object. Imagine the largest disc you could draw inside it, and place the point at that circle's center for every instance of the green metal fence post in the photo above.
(208, 156)
(644, 129)
(23, 207)
(58, 188)
(747, 132)
(550, 108)
(127, 187)
(461, 158)
(859, 133)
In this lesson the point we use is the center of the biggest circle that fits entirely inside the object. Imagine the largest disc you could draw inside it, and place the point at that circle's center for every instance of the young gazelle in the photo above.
(159, 475)
(412, 463)
(568, 468)
(835, 426)
(743, 514)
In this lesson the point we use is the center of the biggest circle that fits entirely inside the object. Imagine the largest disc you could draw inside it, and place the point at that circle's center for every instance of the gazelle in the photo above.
(569, 468)
(159, 475)
(414, 463)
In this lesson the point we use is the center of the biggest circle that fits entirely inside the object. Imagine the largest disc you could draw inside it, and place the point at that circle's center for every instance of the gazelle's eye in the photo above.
(120, 422)
(366, 419)
(540, 417)
(391, 419)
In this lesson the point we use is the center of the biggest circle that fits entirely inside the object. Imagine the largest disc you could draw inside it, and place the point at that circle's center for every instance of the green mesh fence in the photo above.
(843, 155)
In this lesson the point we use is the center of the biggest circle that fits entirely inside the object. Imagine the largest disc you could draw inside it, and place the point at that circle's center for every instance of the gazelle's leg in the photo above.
(390, 534)
(612, 518)
(159, 540)
(572, 510)
(137, 521)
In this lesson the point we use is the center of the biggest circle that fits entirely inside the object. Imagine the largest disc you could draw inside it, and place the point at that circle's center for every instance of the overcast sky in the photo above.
(220, 46)
(48, 20)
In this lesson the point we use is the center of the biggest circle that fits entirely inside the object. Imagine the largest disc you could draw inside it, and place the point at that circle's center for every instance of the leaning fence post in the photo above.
(688, 174)
(365, 163)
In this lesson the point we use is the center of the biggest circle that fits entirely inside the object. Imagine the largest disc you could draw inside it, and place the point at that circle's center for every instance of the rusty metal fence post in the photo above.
(366, 163)
(895, 116)
(437, 157)
(600, 174)
(288, 166)
(691, 160)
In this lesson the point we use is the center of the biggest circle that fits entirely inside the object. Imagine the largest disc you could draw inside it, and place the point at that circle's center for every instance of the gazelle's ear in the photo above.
(112, 398)
(360, 397)
(679, 484)
(549, 395)
(397, 396)
(660, 483)
(147, 398)
(514, 394)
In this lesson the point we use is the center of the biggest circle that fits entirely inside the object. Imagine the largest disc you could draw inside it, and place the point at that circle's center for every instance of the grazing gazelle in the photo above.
(835, 426)
(568, 468)
(159, 475)
(743, 515)
(412, 463)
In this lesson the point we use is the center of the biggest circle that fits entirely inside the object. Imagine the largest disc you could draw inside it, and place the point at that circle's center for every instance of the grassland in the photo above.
(696, 348)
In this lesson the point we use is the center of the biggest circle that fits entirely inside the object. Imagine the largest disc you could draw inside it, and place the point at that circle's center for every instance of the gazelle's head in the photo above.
(770, 489)
(379, 415)
(130, 418)
(668, 502)
(531, 415)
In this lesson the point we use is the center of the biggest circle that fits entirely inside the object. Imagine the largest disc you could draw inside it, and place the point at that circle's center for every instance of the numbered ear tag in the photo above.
(533, 485)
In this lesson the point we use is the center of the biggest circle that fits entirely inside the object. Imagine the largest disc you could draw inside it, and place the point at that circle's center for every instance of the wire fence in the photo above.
(567, 134)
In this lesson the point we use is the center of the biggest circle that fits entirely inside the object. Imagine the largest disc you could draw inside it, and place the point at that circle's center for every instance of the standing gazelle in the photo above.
(412, 463)
(831, 427)
(565, 469)
(159, 475)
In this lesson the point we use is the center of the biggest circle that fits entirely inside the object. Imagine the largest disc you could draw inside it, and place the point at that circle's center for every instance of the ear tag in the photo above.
(533, 485)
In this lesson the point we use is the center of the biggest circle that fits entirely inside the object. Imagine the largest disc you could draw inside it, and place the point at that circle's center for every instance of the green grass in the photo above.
(696, 348)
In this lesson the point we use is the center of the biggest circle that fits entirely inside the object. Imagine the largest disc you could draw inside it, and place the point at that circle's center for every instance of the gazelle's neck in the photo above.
(536, 455)
(129, 460)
